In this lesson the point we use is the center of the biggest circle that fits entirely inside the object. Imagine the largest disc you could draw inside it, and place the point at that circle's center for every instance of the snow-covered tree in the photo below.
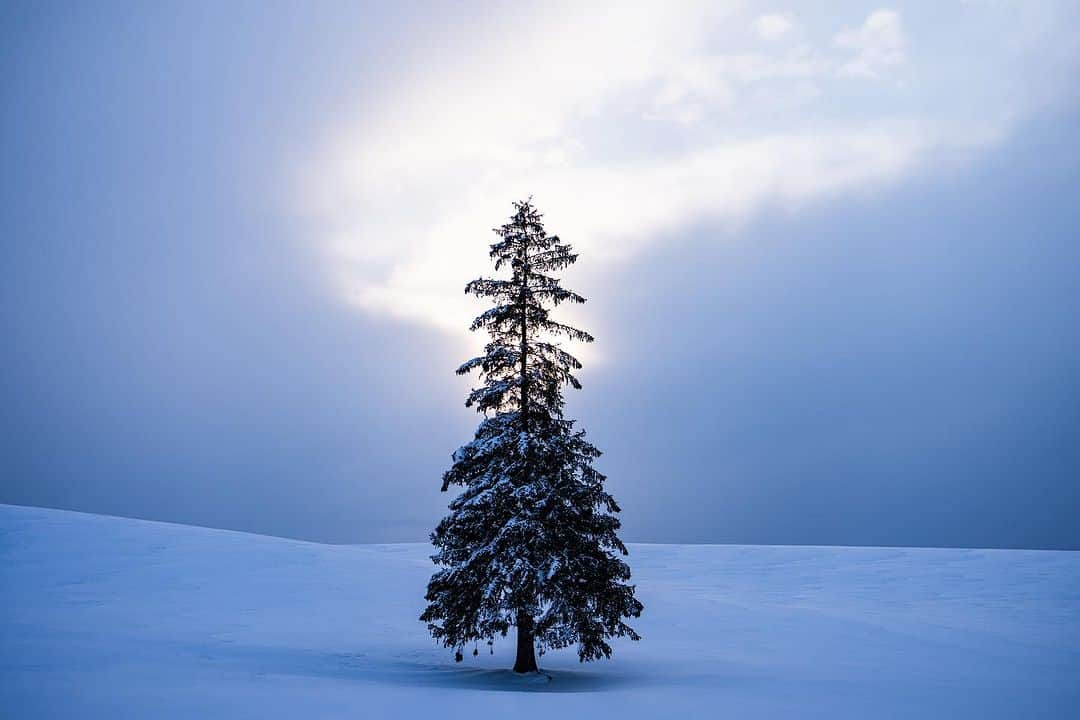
(531, 541)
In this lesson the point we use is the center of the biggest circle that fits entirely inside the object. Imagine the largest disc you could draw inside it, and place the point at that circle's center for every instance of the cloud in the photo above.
(612, 211)
(626, 126)
(772, 26)
(879, 44)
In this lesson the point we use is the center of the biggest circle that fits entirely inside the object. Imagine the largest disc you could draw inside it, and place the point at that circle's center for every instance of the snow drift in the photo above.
(110, 617)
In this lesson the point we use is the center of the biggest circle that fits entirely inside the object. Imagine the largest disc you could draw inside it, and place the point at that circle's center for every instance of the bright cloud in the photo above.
(878, 44)
(772, 26)
(626, 125)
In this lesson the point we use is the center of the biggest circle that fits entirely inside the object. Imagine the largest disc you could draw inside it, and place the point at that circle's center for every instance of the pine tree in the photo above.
(531, 541)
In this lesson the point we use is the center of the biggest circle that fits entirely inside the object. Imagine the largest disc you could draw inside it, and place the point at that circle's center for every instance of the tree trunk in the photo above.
(526, 653)
(524, 338)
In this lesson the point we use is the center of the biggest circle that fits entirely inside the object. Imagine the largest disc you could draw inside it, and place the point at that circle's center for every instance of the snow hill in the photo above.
(114, 618)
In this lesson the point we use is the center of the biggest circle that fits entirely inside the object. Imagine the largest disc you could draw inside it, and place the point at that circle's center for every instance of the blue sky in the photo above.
(830, 257)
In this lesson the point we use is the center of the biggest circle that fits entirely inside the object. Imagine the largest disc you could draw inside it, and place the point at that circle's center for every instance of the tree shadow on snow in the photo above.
(455, 677)
(372, 667)
(596, 678)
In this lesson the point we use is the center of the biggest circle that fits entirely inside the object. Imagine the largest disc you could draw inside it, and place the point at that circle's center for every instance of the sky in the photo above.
(830, 256)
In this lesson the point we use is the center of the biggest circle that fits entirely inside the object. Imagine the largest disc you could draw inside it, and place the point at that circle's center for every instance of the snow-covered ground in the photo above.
(108, 617)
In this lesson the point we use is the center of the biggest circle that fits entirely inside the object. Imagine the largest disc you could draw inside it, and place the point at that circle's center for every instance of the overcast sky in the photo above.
(832, 259)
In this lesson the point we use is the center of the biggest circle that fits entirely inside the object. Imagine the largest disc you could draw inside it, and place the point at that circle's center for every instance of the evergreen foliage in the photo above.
(531, 541)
